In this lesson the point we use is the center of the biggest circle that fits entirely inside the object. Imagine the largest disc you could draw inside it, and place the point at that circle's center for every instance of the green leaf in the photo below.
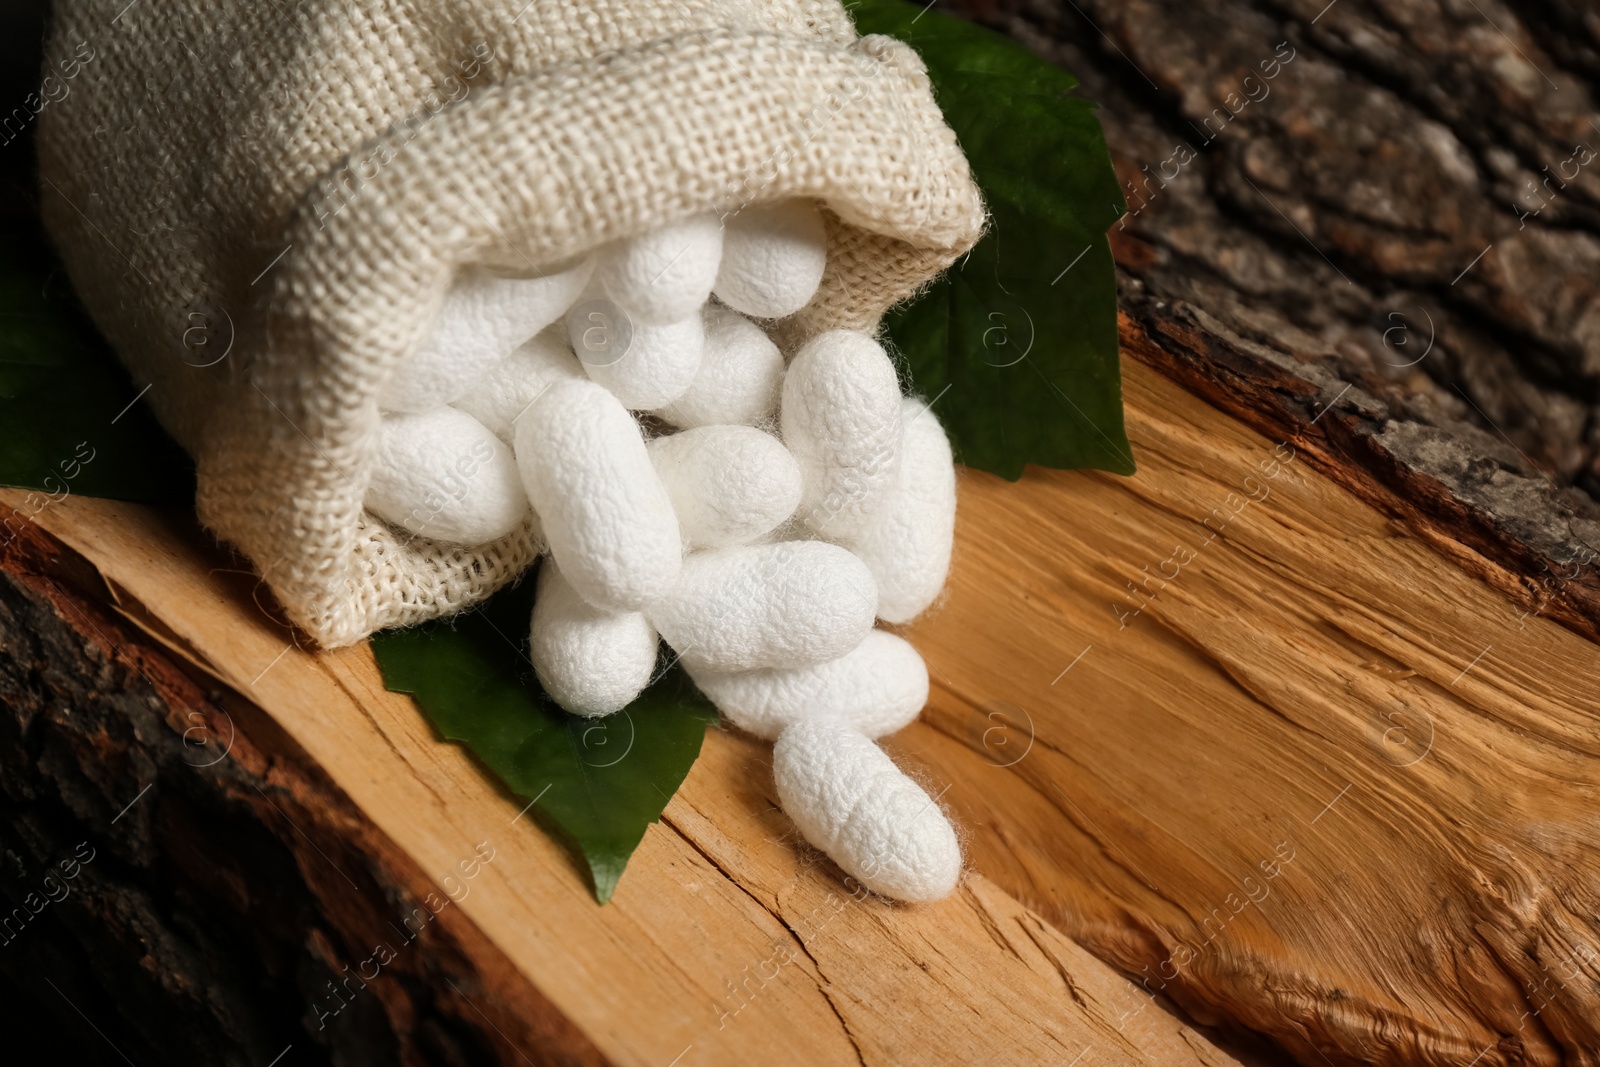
(597, 783)
(1018, 341)
(68, 408)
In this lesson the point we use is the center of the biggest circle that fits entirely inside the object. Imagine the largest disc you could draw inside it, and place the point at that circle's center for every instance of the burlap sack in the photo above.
(262, 203)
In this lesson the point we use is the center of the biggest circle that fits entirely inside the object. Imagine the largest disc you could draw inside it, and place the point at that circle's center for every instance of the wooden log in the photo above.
(1353, 265)
(1322, 779)
(1224, 723)
(1366, 223)
(279, 856)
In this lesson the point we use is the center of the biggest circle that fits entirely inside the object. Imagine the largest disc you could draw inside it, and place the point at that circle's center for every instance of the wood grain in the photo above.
(726, 942)
(1255, 744)
(1269, 753)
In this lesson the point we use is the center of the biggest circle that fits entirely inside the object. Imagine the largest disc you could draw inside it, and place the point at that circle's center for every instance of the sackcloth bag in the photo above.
(262, 203)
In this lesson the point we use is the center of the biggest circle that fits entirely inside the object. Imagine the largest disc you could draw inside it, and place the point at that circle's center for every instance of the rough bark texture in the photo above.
(1409, 206)
(181, 885)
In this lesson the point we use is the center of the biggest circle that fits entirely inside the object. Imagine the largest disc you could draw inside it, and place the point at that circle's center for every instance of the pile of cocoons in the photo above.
(757, 514)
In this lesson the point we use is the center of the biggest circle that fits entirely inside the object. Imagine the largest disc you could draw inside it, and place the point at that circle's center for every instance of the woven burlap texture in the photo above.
(261, 205)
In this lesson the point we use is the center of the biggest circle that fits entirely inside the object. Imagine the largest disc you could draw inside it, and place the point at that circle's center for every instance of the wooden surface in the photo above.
(726, 942)
(1221, 723)
(1300, 690)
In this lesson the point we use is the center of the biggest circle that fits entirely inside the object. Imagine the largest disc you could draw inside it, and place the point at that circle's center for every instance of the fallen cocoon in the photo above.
(483, 318)
(787, 604)
(507, 390)
(907, 544)
(606, 515)
(590, 661)
(740, 369)
(665, 275)
(442, 474)
(875, 689)
(729, 484)
(852, 802)
(841, 419)
(656, 366)
(772, 258)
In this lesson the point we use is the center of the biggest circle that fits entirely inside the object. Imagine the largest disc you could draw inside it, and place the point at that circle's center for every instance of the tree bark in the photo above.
(1372, 215)
(181, 876)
